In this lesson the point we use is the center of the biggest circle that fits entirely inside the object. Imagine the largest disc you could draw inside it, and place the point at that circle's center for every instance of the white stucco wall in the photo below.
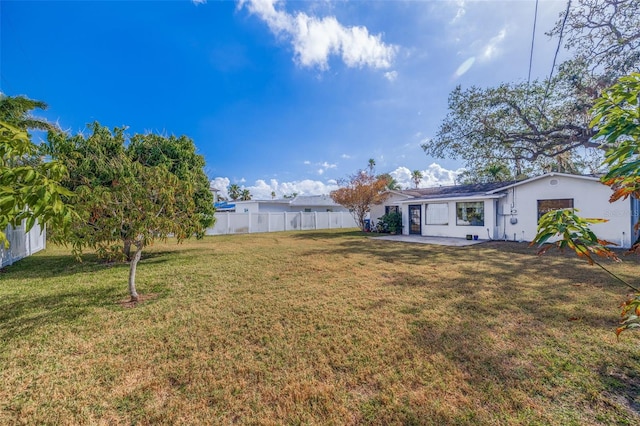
(590, 197)
(452, 229)
(377, 210)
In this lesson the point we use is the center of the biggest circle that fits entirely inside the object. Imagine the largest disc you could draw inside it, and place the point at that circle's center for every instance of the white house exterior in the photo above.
(511, 210)
(290, 214)
(301, 203)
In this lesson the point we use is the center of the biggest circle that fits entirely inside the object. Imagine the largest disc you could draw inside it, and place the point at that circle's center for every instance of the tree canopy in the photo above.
(359, 192)
(29, 192)
(131, 195)
(531, 127)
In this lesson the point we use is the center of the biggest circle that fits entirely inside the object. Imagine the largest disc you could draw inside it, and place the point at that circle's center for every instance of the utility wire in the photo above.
(533, 38)
(555, 57)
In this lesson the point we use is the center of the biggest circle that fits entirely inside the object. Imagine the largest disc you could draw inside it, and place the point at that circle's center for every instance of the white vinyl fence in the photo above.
(242, 223)
(22, 244)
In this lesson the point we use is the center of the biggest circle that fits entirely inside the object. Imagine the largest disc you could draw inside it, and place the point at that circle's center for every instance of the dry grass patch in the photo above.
(317, 328)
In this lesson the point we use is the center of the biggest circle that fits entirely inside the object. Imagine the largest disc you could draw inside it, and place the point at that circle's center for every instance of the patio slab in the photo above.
(441, 241)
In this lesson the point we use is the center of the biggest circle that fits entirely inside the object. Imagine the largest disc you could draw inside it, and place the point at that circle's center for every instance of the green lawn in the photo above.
(325, 327)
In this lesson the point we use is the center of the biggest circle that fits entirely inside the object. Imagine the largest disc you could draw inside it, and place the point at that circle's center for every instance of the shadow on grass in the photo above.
(44, 265)
(327, 235)
(21, 315)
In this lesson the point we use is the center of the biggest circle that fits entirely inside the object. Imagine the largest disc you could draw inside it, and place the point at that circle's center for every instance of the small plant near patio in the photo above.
(391, 222)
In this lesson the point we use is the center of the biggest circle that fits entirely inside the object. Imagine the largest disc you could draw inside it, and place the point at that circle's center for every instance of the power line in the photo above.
(555, 57)
(533, 38)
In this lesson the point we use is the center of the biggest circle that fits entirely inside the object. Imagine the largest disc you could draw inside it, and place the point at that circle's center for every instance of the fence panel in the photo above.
(308, 221)
(22, 244)
(242, 223)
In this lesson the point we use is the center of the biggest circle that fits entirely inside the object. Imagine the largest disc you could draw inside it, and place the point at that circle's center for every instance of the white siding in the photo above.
(459, 231)
(590, 197)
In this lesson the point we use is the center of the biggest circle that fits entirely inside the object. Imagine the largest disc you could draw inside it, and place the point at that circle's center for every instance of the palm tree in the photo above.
(273, 194)
(16, 110)
(372, 165)
(416, 177)
(392, 184)
(245, 195)
(234, 191)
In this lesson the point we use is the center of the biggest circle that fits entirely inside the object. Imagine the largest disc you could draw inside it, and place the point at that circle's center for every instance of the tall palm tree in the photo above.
(273, 195)
(372, 165)
(234, 191)
(416, 177)
(245, 195)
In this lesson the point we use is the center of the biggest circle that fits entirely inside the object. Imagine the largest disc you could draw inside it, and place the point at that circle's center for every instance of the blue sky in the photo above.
(284, 96)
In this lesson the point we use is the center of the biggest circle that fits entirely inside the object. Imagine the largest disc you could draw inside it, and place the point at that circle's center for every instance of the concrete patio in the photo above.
(419, 239)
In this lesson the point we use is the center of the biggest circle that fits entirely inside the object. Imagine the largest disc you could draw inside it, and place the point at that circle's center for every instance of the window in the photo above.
(391, 209)
(437, 214)
(470, 214)
(307, 210)
(545, 206)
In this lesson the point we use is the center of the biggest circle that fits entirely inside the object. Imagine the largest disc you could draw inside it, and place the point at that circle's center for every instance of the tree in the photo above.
(617, 121)
(234, 191)
(603, 33)
(416, 177)
(121, 198)
(371, 165)
(178, 155)
(391, 183)
(492, 172)
(245, 195)
(359, 192)
(506, 124)
(16, 111)
(543, 125)
(29, 192)
(273, 195)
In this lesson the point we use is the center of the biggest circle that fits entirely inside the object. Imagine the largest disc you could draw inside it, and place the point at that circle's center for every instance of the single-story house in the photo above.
(300, 203)
(510, 210)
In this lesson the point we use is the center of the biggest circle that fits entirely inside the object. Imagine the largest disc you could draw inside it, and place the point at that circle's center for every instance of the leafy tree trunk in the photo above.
(132, 271)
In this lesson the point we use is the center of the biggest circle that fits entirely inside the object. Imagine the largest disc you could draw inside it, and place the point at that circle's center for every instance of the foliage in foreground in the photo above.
(29, 191)
(617, 120)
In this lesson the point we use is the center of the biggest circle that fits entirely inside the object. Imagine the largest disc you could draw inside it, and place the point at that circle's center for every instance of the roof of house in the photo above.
(313, 200)
(550, 174)
(469, 190)
(475, 190)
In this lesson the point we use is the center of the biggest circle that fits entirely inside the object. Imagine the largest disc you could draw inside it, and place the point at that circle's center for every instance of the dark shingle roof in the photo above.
(455, 190)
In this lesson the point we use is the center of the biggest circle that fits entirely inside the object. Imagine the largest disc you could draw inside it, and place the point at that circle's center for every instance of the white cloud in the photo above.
(197, 2)
(261, 190)
(460, 12)
(434, 175)
(326, 165)
(315, 39)
(492, 49)
(307, 162)
(391, 75)
(345, 156)
(221, 184)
